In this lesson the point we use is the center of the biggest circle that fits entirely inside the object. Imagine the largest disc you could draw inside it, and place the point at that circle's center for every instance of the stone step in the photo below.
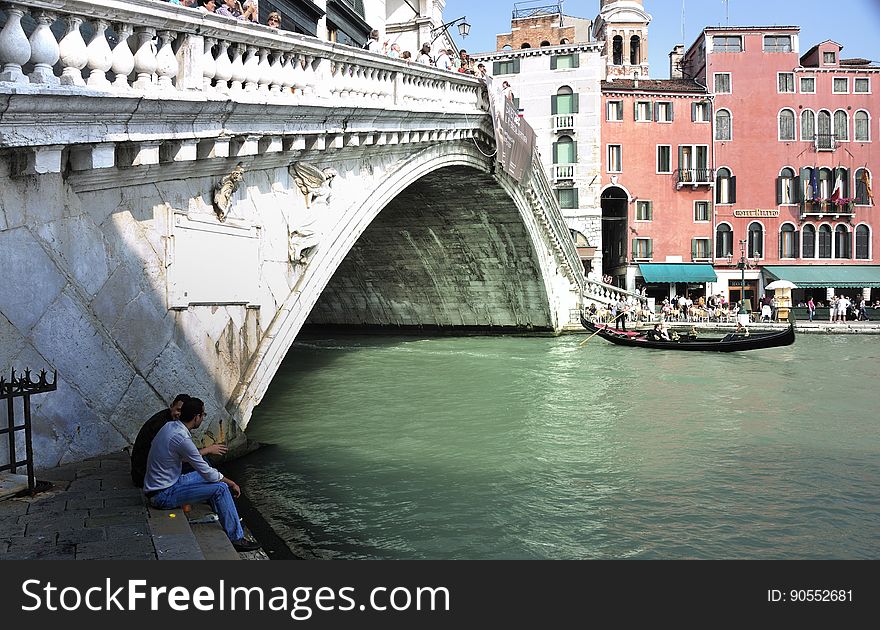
(173, 536)
(211, 538)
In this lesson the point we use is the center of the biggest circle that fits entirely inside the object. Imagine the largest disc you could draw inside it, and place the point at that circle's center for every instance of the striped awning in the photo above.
(827, 276)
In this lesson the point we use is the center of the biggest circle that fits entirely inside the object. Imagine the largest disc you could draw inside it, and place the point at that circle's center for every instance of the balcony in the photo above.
(563, 172)
(844, 208)
(694, 177)
(826, 142)
(563, 122)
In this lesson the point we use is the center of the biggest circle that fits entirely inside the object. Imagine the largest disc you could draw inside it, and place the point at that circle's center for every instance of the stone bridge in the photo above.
(180, 194)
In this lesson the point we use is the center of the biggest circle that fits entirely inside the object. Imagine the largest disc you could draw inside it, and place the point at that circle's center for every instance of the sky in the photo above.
(856, 25)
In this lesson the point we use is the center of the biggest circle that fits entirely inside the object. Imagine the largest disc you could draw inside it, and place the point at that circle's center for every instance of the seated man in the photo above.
(166, 487)
(655, 334)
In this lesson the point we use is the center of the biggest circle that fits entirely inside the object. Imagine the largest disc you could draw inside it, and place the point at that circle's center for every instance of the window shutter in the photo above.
(496, 68)
(717, 189)
(556, 153)
(779, 185)
(781, 240)
(574, 152)
(575, 60)
(650, 252)
(671, 111)
(797, 243)
(693, 112)
(709, 243)
(733, 189)
(651, 112)
(656, 111)
(516, 65)
(575, 203)
(650, 211)
(798, 193)
(635, 248)
(693, 248)
(636, 110)
(574, 103)
(680, 158)
(554, 105)
(553, 59)
(844, 174)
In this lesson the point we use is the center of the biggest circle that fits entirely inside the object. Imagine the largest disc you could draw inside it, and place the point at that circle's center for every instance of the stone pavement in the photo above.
(94, 513)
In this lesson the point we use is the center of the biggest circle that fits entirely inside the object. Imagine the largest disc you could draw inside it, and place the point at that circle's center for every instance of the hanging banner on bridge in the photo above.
(514, 137)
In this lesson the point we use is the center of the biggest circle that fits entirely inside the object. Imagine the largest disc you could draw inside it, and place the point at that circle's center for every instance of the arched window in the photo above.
(788, 241)
(756, 240)
(826, 183)
(723, 240)
(841, 125)
(785, 188)
(824, 241)
(786, 125)
(563, 41)
(723, 127)
(525, 45)
(863, 183)
(617, 50)
(809, 241)
(564, 151)
(507, 47)
(635, 56)
(842, 242)
(863, 242)
(725, 186)
(545, 43)
(862, 127)
(823, 129)
(808, 125)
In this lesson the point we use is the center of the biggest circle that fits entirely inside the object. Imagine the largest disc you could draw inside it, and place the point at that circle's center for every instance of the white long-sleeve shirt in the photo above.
(172, 446)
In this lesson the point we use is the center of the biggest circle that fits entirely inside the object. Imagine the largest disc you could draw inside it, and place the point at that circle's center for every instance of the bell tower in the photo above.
(622, 25)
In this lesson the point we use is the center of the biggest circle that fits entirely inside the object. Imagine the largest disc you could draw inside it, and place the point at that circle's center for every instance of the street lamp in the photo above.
(463, 28)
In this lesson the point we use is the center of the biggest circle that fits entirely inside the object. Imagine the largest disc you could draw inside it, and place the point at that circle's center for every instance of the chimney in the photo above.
(675, 60)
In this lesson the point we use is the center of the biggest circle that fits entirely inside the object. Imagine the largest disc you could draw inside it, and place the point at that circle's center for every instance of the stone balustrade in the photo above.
(162, 51)
(606, 294)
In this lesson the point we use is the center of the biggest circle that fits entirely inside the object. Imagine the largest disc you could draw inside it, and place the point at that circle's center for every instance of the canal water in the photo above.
(536, 447)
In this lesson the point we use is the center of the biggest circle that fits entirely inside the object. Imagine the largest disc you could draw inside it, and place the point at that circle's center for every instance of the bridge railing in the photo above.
(163, 51)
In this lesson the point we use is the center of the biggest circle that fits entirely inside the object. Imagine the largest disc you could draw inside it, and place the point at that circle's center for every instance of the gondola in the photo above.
(728, 343)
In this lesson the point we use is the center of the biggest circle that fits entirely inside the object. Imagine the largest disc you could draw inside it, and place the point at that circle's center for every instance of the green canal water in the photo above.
(534, 447)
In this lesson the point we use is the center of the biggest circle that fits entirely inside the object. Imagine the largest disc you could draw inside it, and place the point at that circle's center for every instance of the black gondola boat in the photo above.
(729, 343)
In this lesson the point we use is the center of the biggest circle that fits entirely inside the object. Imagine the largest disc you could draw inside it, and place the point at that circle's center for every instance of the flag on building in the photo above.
(866, 182)
(814, 185)
(837, 193)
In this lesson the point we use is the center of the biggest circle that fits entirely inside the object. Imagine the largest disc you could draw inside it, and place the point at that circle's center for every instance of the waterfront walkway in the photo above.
(92, 512)
(821, 327)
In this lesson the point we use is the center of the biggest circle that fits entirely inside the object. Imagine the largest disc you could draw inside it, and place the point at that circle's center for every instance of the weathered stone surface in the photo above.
(81, 247)
(137, 405)
(143, 330)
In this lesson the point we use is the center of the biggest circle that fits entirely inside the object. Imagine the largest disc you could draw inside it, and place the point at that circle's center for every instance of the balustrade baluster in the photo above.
(74, 55)
(100, 56)
(145, 63)
(277, 72)
(44, 50)
(291, 74)
(251, 70)
(238, 74)
(122, 58)
(15, 49)
(166, 62)
(223, 67)
(209, 65)
(266, 70)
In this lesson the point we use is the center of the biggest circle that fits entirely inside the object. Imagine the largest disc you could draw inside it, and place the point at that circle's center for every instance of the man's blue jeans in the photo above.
(192, 488)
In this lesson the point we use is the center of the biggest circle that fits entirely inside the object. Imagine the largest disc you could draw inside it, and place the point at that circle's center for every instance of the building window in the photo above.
(568, 198)
(635, 57)
(725, 186)
(511, 66)
(785, 82)
(777, 43)
(644, 210)
(664, 158)
(727, 43)
(642, 248)
(842, 242)
(841, 125)
(841, 85)
(701, 211)
(565, 151)
(809, 241)
(701, 248)
(564, 62)
(824, 241)
(788, 241)
(863, 240)
(756, 240)
(824, 138)
(829, 57)
(693, 164)
(863, 185)
(826, 181)
(617, 50)
(785, 188)
(724, 240)
(723, 127)
(808, 85)
(700, 112)
(614, 110)
(564, 103)
(663, 111)
(862, 127)
(615, 159)
(722, 83)
(786, 125)
(861, 86)
(643, 111)
(808, 125)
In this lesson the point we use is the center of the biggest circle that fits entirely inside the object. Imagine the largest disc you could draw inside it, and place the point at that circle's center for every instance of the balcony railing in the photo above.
(695, 177)
(842, 208)
(563, 172)
(563, 122)
(826, 142)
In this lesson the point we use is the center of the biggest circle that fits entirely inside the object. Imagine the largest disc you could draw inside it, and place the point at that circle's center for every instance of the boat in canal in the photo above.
(732, 342)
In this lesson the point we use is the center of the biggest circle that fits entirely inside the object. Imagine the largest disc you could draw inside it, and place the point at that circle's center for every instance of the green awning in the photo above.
(677, 272)
(827, 276)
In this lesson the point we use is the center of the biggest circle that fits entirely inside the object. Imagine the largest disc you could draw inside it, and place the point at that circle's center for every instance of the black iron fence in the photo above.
(22, 387)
